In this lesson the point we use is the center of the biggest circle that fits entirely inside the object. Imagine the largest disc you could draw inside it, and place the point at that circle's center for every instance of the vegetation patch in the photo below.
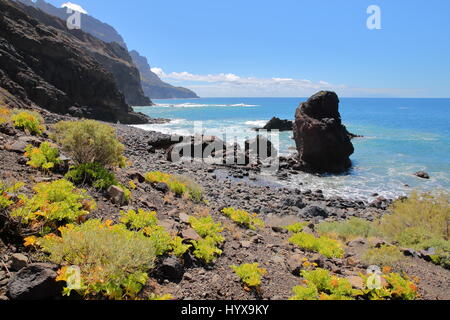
(206, 249)
(296, 227)
(28, 121)
(180, 185)
(206, 227)
(319, 284)
(113, 261)
(328, 247)
(250, 274)
(384, 256)
(93, 174)
(89, 141)
(54, 204)
(46, 157)
(7, 193)
(243, 218)
(347, 230)
(5, 115)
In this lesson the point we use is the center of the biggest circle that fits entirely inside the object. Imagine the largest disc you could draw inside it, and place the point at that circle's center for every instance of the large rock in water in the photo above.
(323, 142)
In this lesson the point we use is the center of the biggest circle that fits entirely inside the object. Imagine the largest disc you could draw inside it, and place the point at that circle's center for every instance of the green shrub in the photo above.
(206, 249)
(250, 274)
(89, 141)
(320, 284)
(419, 220)
(28, 121)
(139, 220)
(384, 256)
(54, 203)
(206, 227)
(113, 260)
(397, 287)
(178, 247)
(296, 227)
(6, 193)
(348, 229)
(93, 174)
(180, 185)
(5, 114)
(243, 218)
(326, 246)
(45, 157)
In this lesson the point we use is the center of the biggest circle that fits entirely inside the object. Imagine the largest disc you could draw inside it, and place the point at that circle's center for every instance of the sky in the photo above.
(288, 48)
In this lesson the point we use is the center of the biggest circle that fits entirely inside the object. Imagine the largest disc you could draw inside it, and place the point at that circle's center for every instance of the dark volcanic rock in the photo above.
(43, 63)
(278, 124)
(315, 211)
(422, 175)
(172, 269)
(35, 282)
(322, 140)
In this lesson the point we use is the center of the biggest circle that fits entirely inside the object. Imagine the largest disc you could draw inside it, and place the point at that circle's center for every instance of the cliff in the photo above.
(41, 62)
(153, 86)
(103, 43)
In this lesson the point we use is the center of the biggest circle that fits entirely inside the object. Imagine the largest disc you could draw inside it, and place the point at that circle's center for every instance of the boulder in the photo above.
(17, 146)
(278, 124)
(422, 175)
(323, 142)
(18, 261)
(159, 140)
(314, 211)
(34, 282)
(171, 268)
(117, 195)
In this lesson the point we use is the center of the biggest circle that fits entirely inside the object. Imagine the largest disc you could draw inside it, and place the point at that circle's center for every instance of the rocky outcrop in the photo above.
(278, 124)
(95, 27)
(42, 63)
(113, 56)
(323, 142)
(153, 86)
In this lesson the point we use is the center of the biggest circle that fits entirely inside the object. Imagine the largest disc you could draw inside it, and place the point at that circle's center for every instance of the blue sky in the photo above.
(288, 47)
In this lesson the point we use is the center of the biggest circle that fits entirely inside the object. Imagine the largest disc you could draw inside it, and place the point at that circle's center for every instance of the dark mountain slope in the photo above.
(153, 86)
(55, 69)
(112, 55)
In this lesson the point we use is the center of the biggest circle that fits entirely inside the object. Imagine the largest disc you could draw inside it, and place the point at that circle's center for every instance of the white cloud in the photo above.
(74, 7)
(232, 85)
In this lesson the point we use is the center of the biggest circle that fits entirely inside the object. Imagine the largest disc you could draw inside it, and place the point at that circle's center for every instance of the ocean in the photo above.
(401, 137)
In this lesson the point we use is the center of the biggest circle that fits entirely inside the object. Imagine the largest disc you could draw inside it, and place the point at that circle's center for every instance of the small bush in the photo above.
(320, 284)
(250, 274)
(180, 185)
(328, 247)
(384, 256)
(398, 287)
(5, 115)
(45, 157)
(89, 141)
(206, 227)
(139, 220)
(419, 221)
(296, 227)
(55, 203)
(93, 174)
(178, 247)
(113, 260)
(7, 193)
(243, 218)
(206, 249)
(28, 121)
(347, 230)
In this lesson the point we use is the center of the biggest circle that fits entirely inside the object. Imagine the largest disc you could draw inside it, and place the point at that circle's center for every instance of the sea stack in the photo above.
(323, 142)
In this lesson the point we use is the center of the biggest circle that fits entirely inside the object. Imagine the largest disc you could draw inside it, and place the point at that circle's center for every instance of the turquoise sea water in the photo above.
(401, 136)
